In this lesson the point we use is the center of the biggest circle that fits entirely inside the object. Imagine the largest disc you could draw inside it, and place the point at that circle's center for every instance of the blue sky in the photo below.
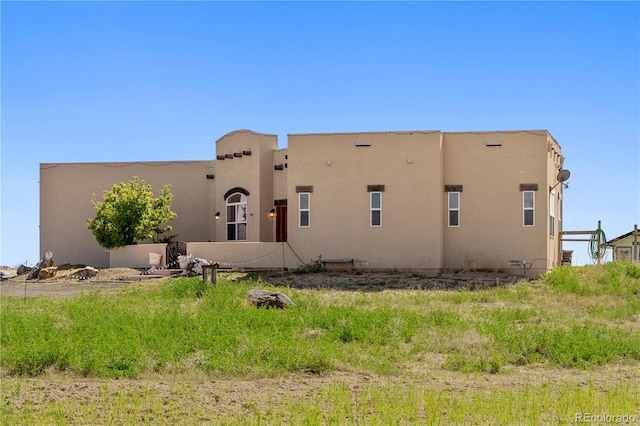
(136, 81)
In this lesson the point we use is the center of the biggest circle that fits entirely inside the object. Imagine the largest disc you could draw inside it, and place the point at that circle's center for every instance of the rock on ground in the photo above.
(268, 298)
(23, 269)
(46, 262)
(46, 273)
(88, 272)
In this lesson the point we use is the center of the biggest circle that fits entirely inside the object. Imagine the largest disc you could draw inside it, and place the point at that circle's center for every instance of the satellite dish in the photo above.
(563, 175)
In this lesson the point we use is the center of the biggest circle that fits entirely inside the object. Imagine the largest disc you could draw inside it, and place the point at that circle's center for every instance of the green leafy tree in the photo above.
(128, 213)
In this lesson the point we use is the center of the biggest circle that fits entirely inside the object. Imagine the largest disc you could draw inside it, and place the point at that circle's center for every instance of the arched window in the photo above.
(237, 217)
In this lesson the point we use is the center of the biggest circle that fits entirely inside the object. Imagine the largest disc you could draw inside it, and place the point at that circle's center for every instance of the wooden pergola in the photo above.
(593, 237)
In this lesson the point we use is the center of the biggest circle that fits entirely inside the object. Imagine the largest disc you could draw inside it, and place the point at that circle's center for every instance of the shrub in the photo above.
(128, 213)
(314, 266)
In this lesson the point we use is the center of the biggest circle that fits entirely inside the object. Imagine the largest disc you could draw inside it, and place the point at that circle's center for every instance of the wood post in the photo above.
(210, 269)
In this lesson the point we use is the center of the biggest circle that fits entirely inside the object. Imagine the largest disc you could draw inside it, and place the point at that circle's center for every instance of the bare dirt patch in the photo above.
(213, 398)
(381, 281)
(67, 283)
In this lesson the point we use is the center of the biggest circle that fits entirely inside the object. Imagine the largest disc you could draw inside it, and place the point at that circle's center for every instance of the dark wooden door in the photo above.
(281, 223)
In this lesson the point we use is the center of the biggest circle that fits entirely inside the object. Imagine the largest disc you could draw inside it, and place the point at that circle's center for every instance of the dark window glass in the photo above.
(231, 232)
(528, 217)
(304, 218)
(376, 218)
(453, 218)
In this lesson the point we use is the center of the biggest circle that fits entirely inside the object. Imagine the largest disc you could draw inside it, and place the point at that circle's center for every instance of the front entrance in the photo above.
(281, 220)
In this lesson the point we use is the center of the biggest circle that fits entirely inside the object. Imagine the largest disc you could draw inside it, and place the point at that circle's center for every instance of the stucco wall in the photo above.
(491, 231)
(137, 256)
(210, 219)
(413, 167)
(280, 158)
(408, 164)
(66, 191)
(246, 255)
(251, 172)
(554, 164)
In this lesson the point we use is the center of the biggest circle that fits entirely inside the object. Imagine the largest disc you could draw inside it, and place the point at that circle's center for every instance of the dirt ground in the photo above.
(393, 281)
(66, 284)
(225, 398)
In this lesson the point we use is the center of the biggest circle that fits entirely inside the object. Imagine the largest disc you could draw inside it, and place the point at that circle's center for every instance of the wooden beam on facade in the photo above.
(577, 232)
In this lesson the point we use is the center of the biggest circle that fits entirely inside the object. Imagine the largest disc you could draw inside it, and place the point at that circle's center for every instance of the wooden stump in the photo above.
(268, 299)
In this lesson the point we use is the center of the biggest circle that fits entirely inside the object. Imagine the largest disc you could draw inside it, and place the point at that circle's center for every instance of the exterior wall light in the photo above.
(272, 212)
(217, 215)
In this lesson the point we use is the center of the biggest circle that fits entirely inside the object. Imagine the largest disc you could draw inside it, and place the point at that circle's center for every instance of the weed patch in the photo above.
(614, 278)
(186, 324)
(149, 331)
(575, 318)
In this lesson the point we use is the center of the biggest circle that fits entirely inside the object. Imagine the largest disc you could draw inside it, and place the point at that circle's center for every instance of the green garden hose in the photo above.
(598, 245)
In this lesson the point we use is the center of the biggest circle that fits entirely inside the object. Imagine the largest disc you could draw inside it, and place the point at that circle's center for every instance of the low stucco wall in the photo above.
(246, 254)
(136, 256)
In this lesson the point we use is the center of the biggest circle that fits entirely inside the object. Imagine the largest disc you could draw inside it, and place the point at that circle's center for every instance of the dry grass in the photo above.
(197, 398)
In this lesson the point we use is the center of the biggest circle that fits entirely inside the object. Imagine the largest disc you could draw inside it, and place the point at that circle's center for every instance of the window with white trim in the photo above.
(528, 208)
(552, 213)
(304, 209)
(560, 212)
(237, 217)
(375, 208)
(454, 209)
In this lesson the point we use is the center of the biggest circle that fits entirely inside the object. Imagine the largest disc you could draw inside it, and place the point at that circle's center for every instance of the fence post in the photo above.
(213, 269)
(214, 274)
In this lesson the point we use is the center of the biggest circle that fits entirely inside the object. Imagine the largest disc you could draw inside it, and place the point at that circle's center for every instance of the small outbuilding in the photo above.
(626, 247)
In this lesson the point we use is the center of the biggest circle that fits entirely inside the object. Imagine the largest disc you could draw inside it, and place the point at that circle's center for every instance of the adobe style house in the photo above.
(409, 200)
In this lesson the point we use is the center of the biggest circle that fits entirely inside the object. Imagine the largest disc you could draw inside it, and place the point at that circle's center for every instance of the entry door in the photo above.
(281, 223)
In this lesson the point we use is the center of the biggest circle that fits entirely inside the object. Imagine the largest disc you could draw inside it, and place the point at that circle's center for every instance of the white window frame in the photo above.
(375, 209)
(240, 212)
(453, 209)
(532, 208)
(307, 210)
(560, 211)
(552, 213)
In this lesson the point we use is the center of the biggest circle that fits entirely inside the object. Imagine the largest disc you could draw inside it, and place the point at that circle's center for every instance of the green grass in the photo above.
(184, 324)
(577, 318)
(619, 279)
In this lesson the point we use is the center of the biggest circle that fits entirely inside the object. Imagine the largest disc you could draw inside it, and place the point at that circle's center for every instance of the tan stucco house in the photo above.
(407, 200)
